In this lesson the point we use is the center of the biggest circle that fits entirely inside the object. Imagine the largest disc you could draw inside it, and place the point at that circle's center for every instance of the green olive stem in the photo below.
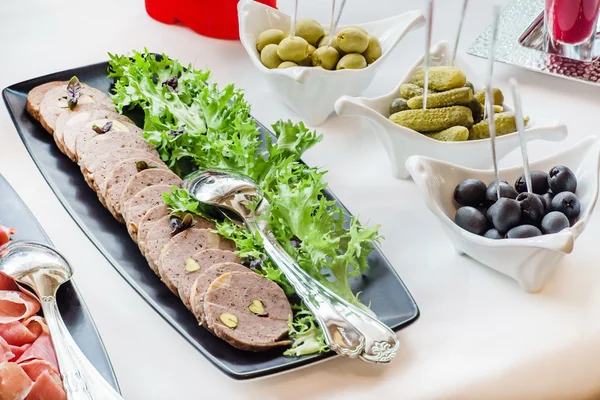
(337, 21)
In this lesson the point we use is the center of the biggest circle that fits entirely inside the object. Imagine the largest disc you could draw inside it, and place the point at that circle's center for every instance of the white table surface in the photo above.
(479, 335)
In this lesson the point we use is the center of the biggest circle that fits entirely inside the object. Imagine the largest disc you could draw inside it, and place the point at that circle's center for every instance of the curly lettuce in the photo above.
(196, 124)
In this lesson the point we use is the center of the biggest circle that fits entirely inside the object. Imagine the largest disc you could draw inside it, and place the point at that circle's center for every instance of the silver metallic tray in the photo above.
(521, 42)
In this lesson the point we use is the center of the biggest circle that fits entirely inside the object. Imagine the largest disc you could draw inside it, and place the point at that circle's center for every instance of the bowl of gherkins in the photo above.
(452, 128)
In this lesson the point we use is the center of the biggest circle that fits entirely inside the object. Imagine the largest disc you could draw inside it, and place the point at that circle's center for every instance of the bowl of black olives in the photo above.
(308, 71)
(527, 230)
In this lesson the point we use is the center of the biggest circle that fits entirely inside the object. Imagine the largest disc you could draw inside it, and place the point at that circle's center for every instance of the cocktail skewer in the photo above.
(521, 129)
(337, 20)
(294, 17)
(458, 33)
(492, 54)
(489, 104)
(427, 52)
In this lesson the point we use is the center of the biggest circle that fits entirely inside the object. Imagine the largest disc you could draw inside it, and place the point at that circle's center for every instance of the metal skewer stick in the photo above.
(489, 104)
(337, 20)
(427, 52)
(492, 54)
(294, 17)
(458, 33)
(521, 129)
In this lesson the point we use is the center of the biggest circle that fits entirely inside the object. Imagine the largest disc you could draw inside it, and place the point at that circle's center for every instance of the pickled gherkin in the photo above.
(455, 97)
(497, 93)
(434, 119)
(440, 78)
(409, 90)
(454, 134)
(398, 105)
(505, 123)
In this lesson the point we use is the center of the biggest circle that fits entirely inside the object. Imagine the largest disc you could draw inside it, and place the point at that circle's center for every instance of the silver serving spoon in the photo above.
(40, 270)
(348, 330)
(459, 32)
(489, 104)
(521, 129)
(336, 21)
(427, 52)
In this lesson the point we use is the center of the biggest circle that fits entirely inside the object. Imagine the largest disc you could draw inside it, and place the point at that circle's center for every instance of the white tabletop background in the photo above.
(479, 335)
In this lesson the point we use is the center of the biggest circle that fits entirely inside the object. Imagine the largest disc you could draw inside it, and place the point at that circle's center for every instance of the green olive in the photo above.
(287, 64)
(293, 48)
(270, 36)
(269, 57)
(353, 40)
(307, 62)
(310, 30)
(352, 61)
(326, 57)
(373, 51)
(325, 40)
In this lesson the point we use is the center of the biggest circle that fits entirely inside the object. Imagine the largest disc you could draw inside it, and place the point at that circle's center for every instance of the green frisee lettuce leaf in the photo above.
(198, 124)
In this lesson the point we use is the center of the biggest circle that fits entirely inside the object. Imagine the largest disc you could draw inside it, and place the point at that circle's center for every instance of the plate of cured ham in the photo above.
(28, 366)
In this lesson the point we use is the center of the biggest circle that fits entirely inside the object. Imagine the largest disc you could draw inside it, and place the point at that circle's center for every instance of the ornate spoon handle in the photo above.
(340, 335)
(80, 379)
(345, 325)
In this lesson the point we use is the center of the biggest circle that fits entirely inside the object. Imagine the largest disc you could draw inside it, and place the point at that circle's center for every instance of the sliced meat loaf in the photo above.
(82, 139)
(160, 234)
(143, 201)
(203, 281)
(36, 95)
(117, 179)
(81, 123)
(182, 246)
(147, 222)
(227, 309)
(99, 157)
(64, 118)
(145, 178)
(199, 263)
(54, 104)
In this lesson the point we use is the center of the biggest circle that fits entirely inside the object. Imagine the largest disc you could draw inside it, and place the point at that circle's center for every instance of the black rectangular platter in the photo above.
(380, 285)
(14, 214)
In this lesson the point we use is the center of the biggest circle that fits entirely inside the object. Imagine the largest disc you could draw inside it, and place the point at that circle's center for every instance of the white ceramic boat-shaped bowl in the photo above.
(532, 261)
(401, 143)
(311, 92)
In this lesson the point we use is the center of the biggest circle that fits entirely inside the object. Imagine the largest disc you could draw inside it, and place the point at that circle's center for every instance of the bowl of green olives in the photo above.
(453, 127)
(312, 69)
(516, 243)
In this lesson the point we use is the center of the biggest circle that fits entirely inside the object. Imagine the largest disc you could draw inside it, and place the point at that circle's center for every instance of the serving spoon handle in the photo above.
(81, 380)
(348, 330)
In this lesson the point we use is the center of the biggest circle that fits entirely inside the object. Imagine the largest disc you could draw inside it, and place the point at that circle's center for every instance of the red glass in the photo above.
(572, 21)
(214, 18)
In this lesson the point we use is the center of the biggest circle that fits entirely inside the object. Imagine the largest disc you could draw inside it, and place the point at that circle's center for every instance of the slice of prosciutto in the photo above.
(17, 334)
(41, 350)
(14, 382)
(16, 306)
(47, 387)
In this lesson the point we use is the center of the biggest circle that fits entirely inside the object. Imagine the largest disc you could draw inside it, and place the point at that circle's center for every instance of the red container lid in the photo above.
(217, 19)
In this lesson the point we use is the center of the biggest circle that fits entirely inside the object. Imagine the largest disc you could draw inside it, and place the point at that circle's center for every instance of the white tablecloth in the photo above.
(479, 335)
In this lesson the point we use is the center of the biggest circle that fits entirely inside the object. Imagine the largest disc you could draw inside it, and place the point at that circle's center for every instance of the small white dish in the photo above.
(401, 143)
(308, 91)
(532, 261)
